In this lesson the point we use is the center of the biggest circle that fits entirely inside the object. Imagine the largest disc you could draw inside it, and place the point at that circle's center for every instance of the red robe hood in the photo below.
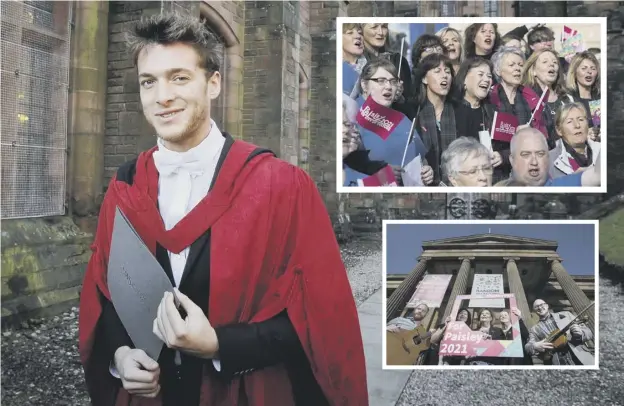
(272, 248)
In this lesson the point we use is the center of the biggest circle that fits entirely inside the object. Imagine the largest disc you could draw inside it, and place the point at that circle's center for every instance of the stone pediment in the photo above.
(490, 240)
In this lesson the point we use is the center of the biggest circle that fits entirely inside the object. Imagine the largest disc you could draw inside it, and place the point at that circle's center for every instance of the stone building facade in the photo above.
(279, 91)
(530, 269)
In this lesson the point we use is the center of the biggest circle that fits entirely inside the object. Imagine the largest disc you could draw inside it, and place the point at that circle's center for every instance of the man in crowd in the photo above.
(530, 164)
(548, 323)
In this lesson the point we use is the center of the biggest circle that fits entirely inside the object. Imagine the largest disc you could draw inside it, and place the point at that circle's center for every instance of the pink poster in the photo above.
(377, 118)
(430, 291)
(460, 340)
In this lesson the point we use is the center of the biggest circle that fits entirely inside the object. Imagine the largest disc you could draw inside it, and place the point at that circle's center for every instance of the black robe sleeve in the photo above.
(245, 347)
(242, 347)
(361, 162)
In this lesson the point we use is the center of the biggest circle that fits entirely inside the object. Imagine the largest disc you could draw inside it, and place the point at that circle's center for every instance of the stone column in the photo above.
(577, 298)
(89, 70)
(515, 287)
(403, 293)
(459, 287)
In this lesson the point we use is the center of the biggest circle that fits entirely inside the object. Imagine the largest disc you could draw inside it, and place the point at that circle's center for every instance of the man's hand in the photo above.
(576, 332)
(426, 173)
(193, 335)
(517, 312)
(138, 372)
(542, 346)
(393, 329)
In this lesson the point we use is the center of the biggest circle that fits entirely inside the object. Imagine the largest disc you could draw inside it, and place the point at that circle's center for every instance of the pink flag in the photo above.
(384, 177)
(504, 127)
(378, 119)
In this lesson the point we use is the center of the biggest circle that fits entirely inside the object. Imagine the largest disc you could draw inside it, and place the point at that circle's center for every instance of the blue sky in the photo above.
(576, 241)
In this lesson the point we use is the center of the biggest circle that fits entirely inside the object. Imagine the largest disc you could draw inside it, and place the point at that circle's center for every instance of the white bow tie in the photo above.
(169, 163)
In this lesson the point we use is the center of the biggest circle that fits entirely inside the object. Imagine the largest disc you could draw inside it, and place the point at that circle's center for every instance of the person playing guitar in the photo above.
(406, 323)
(543, 337)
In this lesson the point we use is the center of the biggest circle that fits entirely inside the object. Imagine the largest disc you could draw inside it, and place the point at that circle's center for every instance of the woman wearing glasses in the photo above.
(376, 46)
(379, 83)
(467, 163)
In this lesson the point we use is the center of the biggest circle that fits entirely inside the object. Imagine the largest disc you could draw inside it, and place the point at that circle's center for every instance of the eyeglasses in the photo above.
(383, 81)
(487, 170)
(540, 306)
(433, 50)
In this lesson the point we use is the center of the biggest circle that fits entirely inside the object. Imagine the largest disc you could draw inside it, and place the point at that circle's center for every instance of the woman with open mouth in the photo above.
(436, 115)
(543, 71)
(574, 151)
(509, 95)
(379, 83)
(473, 112)
(481, 40)
(353, 59)
(452, 41)
(583, 83)
(375, 46)
(490, 332)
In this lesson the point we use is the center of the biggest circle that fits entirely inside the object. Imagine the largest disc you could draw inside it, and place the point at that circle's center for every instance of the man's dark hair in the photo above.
(172, 28)
(540, 34)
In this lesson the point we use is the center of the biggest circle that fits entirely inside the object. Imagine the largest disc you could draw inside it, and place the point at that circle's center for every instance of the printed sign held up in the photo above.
(378, 119)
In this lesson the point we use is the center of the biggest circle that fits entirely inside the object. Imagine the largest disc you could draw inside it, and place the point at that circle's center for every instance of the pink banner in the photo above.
(430, 291)
(504, 127)
(384, 177)
(460, 340)
(378, 119)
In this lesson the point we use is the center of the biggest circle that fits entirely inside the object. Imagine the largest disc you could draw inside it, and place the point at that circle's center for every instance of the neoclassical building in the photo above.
(530, 269)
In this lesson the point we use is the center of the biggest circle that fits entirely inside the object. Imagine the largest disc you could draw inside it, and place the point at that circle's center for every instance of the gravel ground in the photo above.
(40, 364)
(538, 387)
(363, 261)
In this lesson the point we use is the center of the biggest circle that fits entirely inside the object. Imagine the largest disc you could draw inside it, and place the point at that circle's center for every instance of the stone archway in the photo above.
(227, 108)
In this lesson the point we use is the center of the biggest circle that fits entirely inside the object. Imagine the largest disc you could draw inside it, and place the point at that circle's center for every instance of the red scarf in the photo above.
(272, 248)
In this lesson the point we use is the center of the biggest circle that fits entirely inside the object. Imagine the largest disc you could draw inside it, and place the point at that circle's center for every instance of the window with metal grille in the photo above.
(35, 76)
(490, 8)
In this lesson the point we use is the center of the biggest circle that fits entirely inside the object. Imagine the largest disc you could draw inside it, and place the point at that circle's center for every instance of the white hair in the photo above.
(459, 151)
(500, 54)
(513, 145)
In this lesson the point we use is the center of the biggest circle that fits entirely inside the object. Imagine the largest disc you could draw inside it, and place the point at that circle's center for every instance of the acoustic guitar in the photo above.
(559, 339)
(404, 347)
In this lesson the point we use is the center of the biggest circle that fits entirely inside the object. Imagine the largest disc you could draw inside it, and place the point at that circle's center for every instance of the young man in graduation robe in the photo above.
(267, 313)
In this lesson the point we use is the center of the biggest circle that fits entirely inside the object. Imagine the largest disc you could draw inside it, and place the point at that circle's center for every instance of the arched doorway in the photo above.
(226, 110)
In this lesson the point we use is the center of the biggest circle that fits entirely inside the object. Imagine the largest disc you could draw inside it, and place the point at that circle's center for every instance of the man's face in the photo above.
(530, 160)
(175, 93)
(420, 312)
(541, 308)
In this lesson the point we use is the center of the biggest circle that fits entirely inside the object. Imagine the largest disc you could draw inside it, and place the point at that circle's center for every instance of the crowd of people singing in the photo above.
(442, 106)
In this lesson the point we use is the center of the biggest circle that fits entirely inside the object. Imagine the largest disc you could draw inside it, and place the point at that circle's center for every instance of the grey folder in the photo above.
(136, 283)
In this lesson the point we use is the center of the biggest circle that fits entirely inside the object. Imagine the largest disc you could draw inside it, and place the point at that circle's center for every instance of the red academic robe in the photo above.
(272, 248)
